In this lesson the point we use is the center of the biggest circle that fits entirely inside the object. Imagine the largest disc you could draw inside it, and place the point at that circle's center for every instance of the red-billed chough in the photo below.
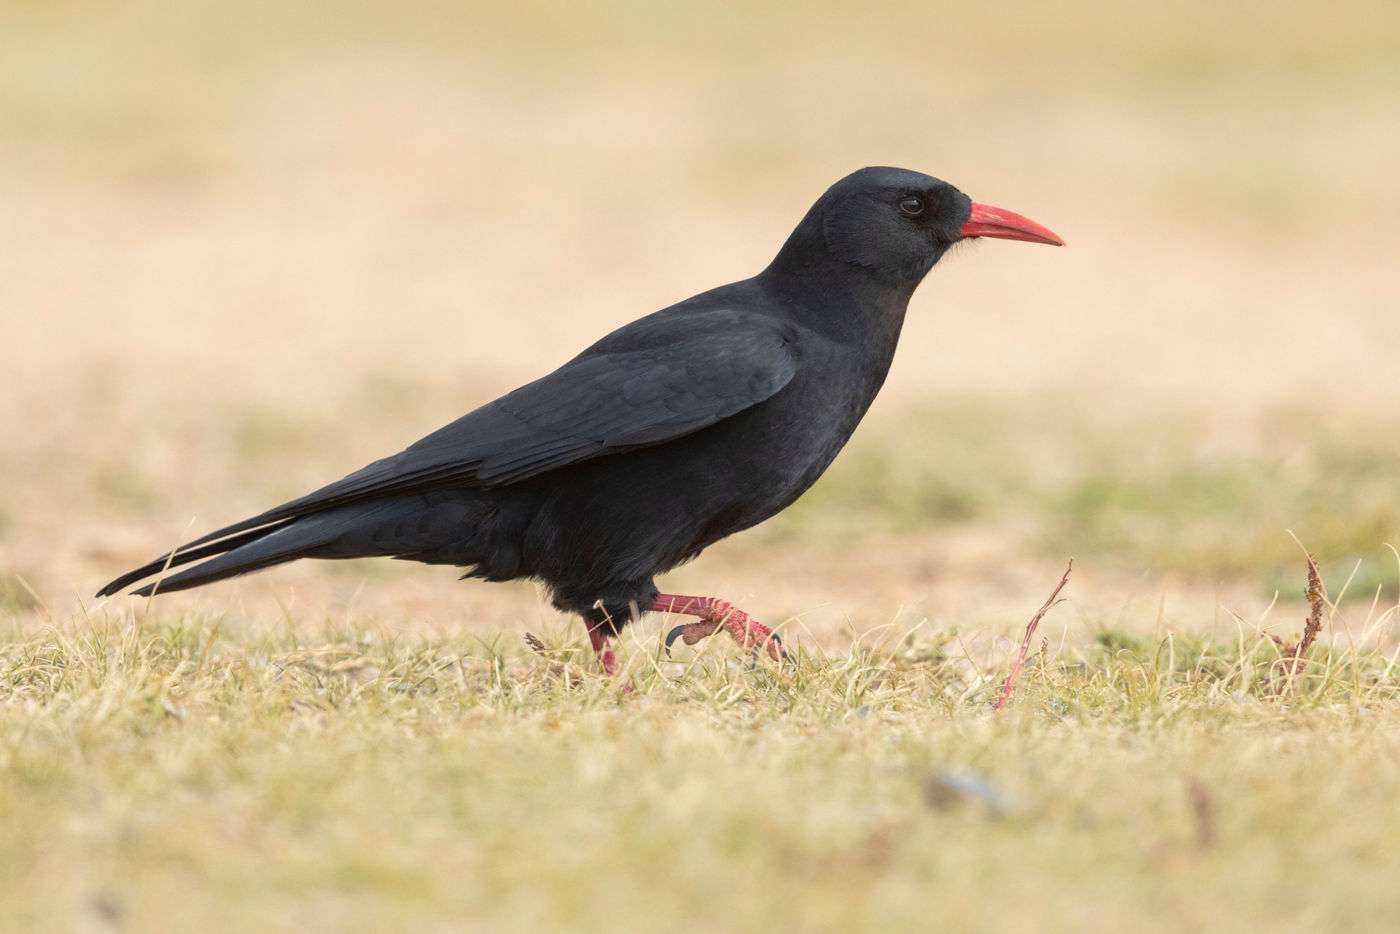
(667, 435)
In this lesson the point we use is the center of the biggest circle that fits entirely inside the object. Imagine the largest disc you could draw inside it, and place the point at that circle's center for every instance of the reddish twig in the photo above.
(1284, 672)
(1030, 631)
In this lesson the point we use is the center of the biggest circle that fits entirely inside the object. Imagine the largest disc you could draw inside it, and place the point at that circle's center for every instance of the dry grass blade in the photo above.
(1030, 631)
(557, 669)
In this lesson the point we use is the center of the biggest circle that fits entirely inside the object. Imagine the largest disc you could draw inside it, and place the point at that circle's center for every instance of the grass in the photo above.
(158, 774)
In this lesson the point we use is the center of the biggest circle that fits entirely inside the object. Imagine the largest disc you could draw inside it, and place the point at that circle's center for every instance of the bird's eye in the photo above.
(912, 207)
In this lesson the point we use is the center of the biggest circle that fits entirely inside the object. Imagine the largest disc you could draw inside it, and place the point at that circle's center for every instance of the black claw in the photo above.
(783, 653)
(782, 649)
(672, 636)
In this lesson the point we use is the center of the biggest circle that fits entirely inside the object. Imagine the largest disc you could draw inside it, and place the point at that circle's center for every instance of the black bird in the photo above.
(667, 435)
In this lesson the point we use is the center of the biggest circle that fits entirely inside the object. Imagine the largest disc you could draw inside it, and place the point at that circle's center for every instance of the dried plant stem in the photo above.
(1291, 660)
(1030, 631)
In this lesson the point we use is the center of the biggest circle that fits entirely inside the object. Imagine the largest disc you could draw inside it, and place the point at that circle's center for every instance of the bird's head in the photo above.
(897, 223)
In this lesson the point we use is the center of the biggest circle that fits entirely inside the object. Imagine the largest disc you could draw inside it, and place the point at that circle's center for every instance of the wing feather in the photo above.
(657, 379)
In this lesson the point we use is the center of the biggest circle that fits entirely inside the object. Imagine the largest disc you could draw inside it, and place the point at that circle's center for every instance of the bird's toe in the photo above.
(778, 650)
(690, 633)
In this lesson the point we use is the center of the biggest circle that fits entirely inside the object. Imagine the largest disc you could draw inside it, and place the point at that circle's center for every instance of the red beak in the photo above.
(987, 221)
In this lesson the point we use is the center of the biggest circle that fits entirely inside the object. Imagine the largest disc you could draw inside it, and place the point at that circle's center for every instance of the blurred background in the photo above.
(246, 248)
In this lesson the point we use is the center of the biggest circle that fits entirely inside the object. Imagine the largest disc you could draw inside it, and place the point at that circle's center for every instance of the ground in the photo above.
(246, 250)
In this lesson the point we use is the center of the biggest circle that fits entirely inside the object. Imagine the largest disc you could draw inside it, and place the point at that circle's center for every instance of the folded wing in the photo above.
(658, 379)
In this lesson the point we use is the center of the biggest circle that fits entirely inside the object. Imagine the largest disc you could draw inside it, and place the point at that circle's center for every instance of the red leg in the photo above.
(602, 649)
(715, 614)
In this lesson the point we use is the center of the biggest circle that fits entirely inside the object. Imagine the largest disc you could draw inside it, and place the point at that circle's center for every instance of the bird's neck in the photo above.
(847, 303)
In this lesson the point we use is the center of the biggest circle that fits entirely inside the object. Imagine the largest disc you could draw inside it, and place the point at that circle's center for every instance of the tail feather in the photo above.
(238, 554)
(184, 555)
(254, 551)
(437, 528)
(261, 552)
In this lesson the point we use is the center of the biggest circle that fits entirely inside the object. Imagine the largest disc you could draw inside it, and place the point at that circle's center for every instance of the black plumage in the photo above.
(665, 436)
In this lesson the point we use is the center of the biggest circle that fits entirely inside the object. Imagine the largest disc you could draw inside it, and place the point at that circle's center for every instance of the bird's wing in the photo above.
(650, 382)
(602, 402)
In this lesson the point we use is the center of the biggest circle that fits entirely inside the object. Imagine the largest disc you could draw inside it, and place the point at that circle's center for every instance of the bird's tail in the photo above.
(238, 554)
(451, 527)
(436, 528)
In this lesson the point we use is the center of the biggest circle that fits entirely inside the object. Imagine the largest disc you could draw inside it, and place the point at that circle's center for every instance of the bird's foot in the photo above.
(715, 615)
(603, 649)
